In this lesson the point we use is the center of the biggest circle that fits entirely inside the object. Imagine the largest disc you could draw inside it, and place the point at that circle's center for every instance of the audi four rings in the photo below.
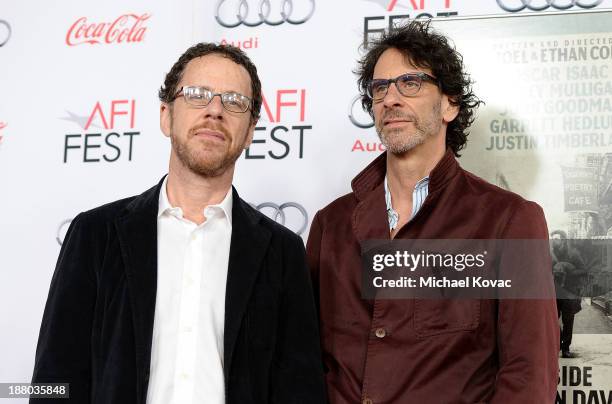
(515, 6)
(279, 216)
(3, 39)
(261, 13)
(354, 121)
(61, 231)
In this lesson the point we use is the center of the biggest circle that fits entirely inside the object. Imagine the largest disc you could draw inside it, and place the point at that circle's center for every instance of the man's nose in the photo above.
(215, 108)
(393, 96)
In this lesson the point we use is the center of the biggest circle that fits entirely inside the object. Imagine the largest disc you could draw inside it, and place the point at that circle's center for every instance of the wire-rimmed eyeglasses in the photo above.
(202, 96)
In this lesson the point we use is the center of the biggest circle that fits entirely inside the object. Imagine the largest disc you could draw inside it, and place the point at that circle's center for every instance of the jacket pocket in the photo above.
(440, 316)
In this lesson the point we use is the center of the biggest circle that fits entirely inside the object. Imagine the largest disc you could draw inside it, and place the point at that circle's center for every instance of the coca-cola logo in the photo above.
(126, 28)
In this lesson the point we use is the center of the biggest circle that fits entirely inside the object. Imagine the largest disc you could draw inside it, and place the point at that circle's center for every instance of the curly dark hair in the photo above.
(429, 49)
(168, 89)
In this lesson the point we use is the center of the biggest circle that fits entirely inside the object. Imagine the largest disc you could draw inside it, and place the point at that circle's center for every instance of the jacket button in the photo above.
(367, 401)
(380, 332)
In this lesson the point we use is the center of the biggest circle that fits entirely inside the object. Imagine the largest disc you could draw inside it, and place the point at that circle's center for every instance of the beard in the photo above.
(401, 140)
(202, 158)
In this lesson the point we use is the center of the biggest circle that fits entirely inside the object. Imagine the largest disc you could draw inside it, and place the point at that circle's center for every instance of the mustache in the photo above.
(210, 126)
(397, 114)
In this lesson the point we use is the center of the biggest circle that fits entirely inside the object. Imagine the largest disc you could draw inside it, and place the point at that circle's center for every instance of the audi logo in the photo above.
(5, 33)
(264, 13)
(61, 231)
(296, 220)
(514, 6)
(364, 121)
(282, 214)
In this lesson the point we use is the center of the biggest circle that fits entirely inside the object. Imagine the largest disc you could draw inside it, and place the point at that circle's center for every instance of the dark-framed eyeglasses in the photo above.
(202, 96)
(407, 84)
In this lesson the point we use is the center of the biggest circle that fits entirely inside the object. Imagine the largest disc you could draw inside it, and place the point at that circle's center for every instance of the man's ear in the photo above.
(450, 110)
(165, 119)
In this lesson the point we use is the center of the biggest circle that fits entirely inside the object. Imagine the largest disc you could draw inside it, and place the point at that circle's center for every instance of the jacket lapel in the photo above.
(249, 244)
(370, 215)
(369, 219)
(137, 233)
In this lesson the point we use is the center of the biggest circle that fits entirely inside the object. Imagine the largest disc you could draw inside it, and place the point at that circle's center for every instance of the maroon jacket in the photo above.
(429, 351)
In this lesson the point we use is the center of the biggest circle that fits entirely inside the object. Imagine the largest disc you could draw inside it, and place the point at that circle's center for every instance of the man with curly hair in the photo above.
(379, 351)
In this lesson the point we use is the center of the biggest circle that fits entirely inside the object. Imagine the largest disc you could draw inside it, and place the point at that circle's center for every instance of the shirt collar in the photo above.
(165, 206)
(422, 183)
(164, 203)
(392, 214)
(374, 174)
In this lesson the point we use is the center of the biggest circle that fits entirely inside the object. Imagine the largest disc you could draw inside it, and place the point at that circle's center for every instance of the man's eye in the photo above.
(410, 82)
(377, 88)
(234, 99)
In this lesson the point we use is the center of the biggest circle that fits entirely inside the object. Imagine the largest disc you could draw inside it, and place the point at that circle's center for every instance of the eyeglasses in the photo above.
(407, 84)
(201, 97)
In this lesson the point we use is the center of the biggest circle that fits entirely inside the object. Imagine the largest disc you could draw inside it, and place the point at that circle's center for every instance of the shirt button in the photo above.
(184, 376)
(380, 332)
(194, 236)
(367, 401)
(187, 329)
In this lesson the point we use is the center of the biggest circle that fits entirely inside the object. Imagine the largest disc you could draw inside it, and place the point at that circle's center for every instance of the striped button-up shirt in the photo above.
(421, 189)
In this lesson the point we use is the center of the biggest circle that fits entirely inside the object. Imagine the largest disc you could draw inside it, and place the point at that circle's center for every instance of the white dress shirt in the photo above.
(187, 346)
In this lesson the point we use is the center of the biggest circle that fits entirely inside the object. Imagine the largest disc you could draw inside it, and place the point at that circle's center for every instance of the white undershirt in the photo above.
(187, 346)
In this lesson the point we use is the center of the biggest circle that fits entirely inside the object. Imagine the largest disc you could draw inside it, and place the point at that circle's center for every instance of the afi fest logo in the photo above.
(284, 137)
(104, 137)
(253, 13)
(125, 28)
(514, 6)
(376, 25)
(2, 126)
(420, 5)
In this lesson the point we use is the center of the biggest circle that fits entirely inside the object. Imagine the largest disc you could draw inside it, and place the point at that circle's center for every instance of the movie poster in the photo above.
(546, 133)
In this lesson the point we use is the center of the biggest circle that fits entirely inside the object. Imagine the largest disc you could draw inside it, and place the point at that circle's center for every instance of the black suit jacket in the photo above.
(97, 326)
